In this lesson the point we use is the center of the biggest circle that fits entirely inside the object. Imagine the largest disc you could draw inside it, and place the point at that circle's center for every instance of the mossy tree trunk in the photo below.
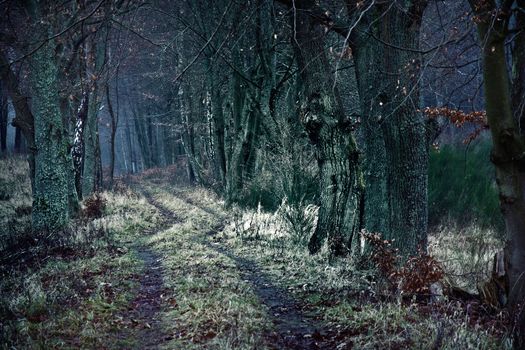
(234, 170)
(188, 134)
(113, 135)
(331, 132)
(51, 194)
(250, 96)
(388, 68)
(217, 115)
(91, 172)
(508, 154)
(89, 177)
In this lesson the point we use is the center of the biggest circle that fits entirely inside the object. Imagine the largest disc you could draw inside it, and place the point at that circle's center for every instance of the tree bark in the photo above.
(3, 118)
(24, 119)
(78, 142)
(19, 145)
(114, 125)
(396, 145)
(331, 132)
(91, 173)
(51, 197)
(218, 124)
(90, 144)
(188, 134)
(518, 69)
(508, 154)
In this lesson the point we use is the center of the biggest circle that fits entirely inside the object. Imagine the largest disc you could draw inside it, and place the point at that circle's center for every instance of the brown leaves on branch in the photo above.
(460, 118)
(415, 276)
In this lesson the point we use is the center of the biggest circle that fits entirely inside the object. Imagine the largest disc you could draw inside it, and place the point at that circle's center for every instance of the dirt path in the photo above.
(142, 318)
(145, 308)
(293, 328)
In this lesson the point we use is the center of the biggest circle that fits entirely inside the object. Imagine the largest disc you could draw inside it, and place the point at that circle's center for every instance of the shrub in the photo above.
(300, 220)
(462, 186)
(94, 207)
(415, 276)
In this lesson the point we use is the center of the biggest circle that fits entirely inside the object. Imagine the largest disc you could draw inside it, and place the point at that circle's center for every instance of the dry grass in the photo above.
(466, 254)
(78, 298)
(71, 296)
(356, 301)
(210, 306)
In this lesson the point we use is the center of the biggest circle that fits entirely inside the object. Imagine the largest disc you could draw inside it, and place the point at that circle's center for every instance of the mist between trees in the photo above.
(393, 117)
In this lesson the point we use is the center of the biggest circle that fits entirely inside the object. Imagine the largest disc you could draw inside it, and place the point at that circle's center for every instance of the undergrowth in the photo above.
(79, 296)
(69, 294)
(462, 187)
(358, 304)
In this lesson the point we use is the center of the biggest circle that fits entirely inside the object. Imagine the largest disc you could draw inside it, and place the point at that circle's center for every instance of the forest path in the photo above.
(143, 314)
(144, 325)
(291, 327)
(294, 329)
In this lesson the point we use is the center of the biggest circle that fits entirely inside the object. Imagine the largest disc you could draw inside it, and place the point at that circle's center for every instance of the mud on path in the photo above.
(142, 316)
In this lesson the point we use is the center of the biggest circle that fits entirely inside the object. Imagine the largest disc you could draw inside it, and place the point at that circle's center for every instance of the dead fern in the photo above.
(93, 207)
(413, 277)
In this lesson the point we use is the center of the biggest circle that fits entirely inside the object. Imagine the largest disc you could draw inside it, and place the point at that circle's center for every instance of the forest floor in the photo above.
(168, 267)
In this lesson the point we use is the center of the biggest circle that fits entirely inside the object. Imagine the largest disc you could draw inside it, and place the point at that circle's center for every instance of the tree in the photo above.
(3, 118)
(388, 64)
(330, 130)
(50, 198)
(384, 43)
(24, 120)
(508, 155)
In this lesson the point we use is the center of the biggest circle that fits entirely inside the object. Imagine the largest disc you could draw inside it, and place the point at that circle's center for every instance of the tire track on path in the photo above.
(293, 328)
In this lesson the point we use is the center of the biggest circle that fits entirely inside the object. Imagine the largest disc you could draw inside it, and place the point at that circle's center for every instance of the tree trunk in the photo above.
(518, 69)
(3, 118)
(114, 125)
(24, 120)
(50, 199)
(95, 62)
(19, 146)
(188, 134)
(233, 173)
(331, 132)
(243, 150)
(77, 152)
(508, 154)
(89, 176)
(218, 126)
(396, 150)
